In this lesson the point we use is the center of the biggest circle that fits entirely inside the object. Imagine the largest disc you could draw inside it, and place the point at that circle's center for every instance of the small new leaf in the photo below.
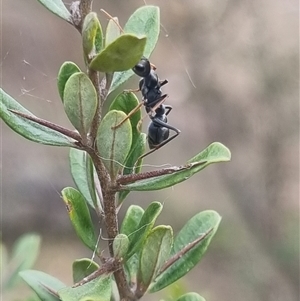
(66, 70)
(120, 245)
(92, 36)
(112, 31)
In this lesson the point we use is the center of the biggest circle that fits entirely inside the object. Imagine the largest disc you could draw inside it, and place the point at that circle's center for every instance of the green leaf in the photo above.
(83, 176)
(80, 101)
(66, 70)
(98, 289)
(44, 285)
(120, 55)
(138, 148)
(194, 229)
(131, 268)
(131, 220)
(112, 31)
(190, 297)
(27, 128)
(24, 254)
(80, 216)
(92, 36)
(114, 141)
(144, 227)
(82, 268)
(131, 164)
(58, 8)
(127, 102)
(120, 245)
(214, 153)
(155, 252)
(91, 185)
(144, 21)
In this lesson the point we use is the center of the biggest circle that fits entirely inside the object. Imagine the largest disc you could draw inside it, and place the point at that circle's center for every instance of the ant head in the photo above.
(142, 68)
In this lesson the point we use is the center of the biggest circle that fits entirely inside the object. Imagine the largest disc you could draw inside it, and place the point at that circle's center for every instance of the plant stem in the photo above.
(111, 223)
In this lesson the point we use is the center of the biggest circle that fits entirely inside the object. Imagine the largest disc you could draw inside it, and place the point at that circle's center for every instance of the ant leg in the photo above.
(162, 124)
(168, 108)
(158, 102)
(159, 146)
(163, 82)
(132, 112)
(132, 90)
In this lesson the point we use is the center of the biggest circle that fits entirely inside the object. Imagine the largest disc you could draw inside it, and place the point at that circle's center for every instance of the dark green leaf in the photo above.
(66, 70)
(120, 245)
(82, 175)
(120, 55)
(112, 31)
(58, 8)
(82, 268)
(98, 289)
(91, 185)
(138, 148)
(190, 297)
(80, 101)
(24, 254)
(80, 216)
(114, 141)
(145, 225)
(129, 227)
(214, 153)
(144, 21)
(131, 164)
(194, 229)
(44, 285)
(127, 102)
(92, 36)
(131, 268)
(155, 252)
(131, 220)
(27, 128)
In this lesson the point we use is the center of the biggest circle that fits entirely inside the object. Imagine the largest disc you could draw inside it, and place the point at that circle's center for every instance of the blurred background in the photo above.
(233, 71)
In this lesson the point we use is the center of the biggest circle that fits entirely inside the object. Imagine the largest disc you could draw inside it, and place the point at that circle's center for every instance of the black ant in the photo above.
(153, 99)
(149, 85)
(159, 130)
